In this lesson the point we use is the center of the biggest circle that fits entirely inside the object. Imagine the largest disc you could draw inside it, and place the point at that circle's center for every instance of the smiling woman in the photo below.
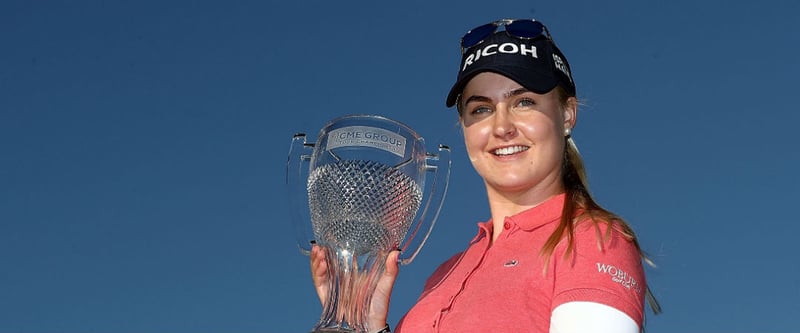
(549, 258)
(513, 137)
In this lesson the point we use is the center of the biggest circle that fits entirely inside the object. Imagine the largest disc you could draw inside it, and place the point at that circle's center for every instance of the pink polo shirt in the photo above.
(503, 288)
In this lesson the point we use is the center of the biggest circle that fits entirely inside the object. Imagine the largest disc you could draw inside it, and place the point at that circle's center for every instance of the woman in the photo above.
(549, 259)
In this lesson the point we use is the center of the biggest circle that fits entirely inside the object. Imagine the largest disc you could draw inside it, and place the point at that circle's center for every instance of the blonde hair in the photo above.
(580, 206)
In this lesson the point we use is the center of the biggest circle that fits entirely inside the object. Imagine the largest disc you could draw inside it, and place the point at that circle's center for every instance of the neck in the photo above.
(504, 203)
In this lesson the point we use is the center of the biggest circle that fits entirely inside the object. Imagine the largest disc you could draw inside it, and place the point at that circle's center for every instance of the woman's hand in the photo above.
(379, 307)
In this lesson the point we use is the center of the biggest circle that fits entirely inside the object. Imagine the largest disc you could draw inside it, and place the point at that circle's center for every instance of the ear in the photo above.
(570, 112)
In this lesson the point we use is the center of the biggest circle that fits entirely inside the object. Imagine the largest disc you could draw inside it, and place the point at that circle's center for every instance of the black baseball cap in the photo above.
(536, 64)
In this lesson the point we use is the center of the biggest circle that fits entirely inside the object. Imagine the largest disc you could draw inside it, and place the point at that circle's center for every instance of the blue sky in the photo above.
(143, 148)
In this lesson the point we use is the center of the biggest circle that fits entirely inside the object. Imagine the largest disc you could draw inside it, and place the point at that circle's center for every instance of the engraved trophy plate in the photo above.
(360, 192)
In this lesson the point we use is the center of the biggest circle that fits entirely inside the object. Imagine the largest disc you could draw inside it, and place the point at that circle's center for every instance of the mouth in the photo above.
(505, 151)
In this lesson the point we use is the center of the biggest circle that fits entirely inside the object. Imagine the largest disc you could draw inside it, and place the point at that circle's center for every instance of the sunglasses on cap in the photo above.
(524, 29)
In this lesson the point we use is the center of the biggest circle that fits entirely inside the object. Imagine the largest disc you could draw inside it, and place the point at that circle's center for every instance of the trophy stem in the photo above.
(352, 279)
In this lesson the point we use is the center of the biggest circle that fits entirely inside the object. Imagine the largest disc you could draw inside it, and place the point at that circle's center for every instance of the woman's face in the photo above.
(515, 137)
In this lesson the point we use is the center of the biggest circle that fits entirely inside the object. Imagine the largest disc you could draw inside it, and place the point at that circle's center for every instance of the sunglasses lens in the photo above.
(475, 36)
(525, 28)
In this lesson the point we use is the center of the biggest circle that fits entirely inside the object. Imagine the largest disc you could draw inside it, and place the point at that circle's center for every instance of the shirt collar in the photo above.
(531, 218)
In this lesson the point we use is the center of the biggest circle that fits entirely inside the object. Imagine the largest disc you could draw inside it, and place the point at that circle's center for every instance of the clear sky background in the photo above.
(143, 147)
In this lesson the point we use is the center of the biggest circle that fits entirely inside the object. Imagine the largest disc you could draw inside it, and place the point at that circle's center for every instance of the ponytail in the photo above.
(579, 206)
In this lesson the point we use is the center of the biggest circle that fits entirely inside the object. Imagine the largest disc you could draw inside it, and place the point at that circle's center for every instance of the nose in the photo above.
(504, 123)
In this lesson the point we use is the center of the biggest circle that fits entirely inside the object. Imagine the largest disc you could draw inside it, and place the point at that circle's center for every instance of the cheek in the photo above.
(475, 137)
(474, 141)
(539, 130)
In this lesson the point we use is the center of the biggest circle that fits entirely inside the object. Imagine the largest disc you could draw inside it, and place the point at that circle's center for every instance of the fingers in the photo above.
(318, 265)
(319, 272)
(379, 309)
(386, 281)
(392, 265)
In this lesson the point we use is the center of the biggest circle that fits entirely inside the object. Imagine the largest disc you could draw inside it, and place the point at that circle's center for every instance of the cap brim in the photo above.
(537, 82)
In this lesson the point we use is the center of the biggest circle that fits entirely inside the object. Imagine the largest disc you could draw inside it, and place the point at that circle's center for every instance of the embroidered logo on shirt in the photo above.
(510, 263)
(619, 276)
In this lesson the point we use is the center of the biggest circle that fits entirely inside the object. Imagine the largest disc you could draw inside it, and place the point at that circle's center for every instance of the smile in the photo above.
(509, 150)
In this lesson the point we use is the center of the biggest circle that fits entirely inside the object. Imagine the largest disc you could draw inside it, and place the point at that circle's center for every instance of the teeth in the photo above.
(510, 150)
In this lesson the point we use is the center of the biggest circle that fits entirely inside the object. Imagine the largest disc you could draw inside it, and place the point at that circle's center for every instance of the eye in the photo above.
(480, 110)
(525, 102)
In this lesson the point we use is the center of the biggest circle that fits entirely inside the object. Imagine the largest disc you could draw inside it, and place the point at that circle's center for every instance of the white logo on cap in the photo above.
(505, 48)
(561, 66)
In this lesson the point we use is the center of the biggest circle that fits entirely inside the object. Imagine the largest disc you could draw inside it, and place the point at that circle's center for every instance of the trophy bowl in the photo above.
(359, 192)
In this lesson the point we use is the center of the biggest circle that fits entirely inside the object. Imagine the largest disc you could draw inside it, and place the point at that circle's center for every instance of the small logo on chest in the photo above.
(510, 263)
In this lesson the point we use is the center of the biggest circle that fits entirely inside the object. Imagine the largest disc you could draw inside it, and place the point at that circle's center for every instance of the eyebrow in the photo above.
(516, 92)
(478, 98)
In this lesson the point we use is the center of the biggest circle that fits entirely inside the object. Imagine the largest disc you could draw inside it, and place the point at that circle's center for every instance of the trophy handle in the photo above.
(439, 164)
(297, 168)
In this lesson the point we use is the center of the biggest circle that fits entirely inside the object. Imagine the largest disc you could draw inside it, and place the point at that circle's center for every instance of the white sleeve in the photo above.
(590, 317)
